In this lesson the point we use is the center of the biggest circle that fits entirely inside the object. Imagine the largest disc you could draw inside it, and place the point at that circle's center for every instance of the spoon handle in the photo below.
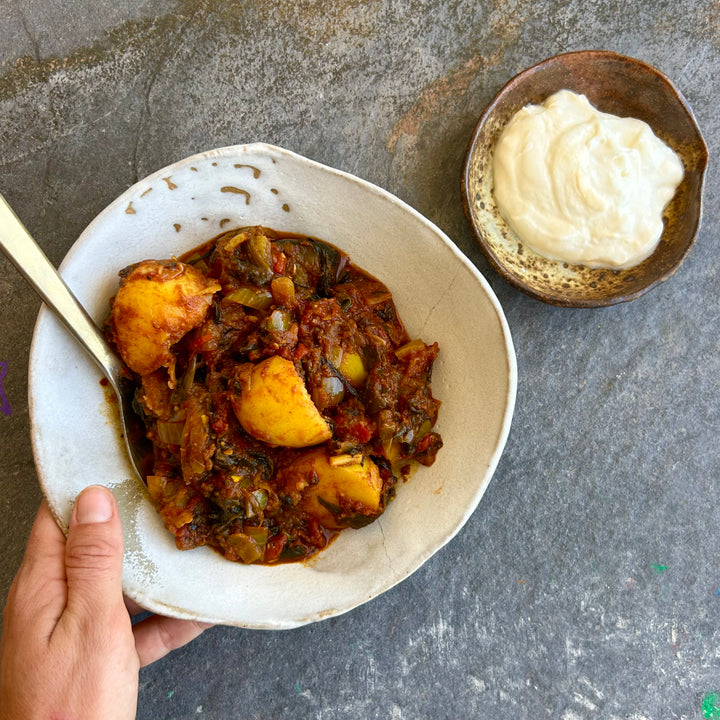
(27, 256)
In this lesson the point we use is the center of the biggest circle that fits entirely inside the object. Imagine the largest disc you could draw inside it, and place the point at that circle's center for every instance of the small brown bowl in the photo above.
(614, 84)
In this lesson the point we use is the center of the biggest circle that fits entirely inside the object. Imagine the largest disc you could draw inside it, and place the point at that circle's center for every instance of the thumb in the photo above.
(94, 555)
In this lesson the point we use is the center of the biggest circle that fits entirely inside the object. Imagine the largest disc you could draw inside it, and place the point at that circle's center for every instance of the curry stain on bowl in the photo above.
(615, 84)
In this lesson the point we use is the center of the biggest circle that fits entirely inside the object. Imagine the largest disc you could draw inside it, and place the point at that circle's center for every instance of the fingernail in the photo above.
(94, 505)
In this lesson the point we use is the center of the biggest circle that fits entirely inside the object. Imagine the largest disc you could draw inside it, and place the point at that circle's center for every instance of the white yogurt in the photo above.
(581, 186)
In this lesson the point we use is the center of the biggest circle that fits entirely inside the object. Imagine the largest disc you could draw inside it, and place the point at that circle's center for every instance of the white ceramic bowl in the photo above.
(438, 293)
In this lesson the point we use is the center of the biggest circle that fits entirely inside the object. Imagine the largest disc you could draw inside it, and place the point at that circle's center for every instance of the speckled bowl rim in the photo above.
(479, 232)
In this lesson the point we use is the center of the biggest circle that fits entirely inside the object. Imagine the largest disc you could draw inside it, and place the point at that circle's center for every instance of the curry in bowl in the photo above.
(279, 388)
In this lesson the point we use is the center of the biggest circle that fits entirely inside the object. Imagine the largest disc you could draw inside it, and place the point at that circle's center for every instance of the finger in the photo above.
(93, 556)
(40, 581)
(156, 636)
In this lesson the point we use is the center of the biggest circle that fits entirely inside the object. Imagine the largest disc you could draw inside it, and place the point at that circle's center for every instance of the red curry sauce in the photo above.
(301, 299)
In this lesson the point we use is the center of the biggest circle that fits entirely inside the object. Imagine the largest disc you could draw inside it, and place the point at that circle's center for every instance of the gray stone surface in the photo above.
(587, 583)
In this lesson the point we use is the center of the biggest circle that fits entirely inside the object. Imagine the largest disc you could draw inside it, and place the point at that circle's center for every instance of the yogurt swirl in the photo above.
(582, 186)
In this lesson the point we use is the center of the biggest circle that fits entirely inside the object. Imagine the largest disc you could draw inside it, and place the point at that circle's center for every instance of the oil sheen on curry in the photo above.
(280, 390)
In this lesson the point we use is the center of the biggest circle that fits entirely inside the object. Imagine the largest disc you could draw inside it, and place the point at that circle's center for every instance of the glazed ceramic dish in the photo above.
(76, 436)
(614, 84)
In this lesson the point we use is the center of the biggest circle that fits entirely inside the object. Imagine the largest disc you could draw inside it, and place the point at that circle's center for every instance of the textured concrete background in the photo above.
(587, 584)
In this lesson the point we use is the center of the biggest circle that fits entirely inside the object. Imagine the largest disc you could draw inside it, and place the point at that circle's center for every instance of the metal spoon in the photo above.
(17, 243)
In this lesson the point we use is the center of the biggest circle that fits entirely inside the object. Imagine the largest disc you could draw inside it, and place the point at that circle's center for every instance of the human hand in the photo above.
(69, 649)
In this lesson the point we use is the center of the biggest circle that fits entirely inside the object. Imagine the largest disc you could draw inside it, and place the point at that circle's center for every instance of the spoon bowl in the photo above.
(27, 256)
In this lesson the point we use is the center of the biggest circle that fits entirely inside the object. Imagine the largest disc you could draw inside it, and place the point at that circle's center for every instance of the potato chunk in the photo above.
(340, 491)
(274, 405)
(157, 303)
